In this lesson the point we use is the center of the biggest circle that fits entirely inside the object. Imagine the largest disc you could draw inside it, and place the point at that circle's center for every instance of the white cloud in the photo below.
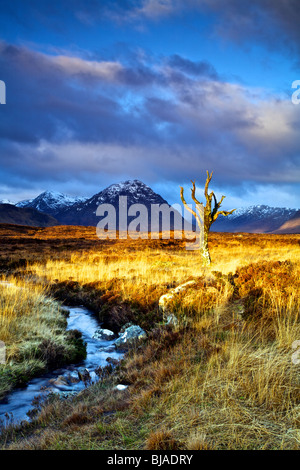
(156, 8)
(74, 65)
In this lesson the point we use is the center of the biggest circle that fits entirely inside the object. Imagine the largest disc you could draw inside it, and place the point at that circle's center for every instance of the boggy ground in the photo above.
(222, 379)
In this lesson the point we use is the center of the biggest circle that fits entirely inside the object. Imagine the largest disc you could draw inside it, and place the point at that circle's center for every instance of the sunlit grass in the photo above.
(33, 328)
(223, 379)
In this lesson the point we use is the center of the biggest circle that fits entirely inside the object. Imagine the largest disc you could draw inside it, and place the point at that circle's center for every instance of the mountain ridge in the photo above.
(254, 219)
(50, 202)
(72, 210)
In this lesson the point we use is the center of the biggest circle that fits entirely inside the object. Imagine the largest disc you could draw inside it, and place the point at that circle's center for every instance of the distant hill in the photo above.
(10, 214)
(291, 226)
(254, 219)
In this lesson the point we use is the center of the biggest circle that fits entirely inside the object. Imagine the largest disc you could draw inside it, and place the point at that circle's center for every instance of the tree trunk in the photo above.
(204, 249)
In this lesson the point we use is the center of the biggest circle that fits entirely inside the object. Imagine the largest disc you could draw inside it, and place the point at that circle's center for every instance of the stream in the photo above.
(18, 403)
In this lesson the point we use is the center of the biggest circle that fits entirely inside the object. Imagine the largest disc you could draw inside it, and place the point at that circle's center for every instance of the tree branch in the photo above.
(199, 205)
(208, 180)
(189, 208)
(225, 213)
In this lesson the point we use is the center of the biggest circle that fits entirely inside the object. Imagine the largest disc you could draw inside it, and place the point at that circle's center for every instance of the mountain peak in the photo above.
(51, 194)
(51, 202)
(136, 191)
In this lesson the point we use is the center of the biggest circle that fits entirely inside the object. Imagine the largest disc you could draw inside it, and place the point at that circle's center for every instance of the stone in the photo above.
(121, 387)
(103, 334)
(60, 381)
(112, 360)
(72, 378)
(163, 302)
(127, 325)
(165, 299)
(184, 286)
(84, 375)
(130, 337)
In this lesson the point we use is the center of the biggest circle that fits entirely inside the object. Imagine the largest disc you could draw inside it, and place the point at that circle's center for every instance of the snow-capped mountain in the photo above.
(6, 201)
(51, 202)
(261, 211)
(24, 203)
(70, 210)
(84, 213)
(254, 219)
(136, 191)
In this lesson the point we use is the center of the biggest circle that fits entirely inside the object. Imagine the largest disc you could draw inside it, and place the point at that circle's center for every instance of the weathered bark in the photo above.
(205, 216)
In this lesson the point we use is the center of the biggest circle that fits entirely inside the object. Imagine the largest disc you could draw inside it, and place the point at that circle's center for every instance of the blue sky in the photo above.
(159, 90)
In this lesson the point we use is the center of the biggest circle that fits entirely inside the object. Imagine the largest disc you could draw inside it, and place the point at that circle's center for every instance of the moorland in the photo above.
(221, 378)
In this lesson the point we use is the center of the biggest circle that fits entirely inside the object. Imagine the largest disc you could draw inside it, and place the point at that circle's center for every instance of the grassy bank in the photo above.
(33, 328)
(222, 379)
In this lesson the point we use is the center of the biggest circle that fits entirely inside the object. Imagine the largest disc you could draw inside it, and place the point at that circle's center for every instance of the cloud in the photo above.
(268, 22)
(156, 8)
(76, 66)
(200, 68)
(70, 120)
(273, 23)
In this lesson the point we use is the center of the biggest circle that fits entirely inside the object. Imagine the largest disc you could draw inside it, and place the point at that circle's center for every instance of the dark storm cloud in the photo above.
(52, 99)
(200, 68)
(276, 23)
(48, 12)
(73, 119)
(272, 22)
(138, 76)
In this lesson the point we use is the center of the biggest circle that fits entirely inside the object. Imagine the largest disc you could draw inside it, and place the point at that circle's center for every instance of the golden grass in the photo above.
(23, 310)
(154, 267)
(33, 328)
(223, 379)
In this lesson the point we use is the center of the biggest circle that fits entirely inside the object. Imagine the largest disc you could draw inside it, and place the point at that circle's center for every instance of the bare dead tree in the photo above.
(205, 215)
